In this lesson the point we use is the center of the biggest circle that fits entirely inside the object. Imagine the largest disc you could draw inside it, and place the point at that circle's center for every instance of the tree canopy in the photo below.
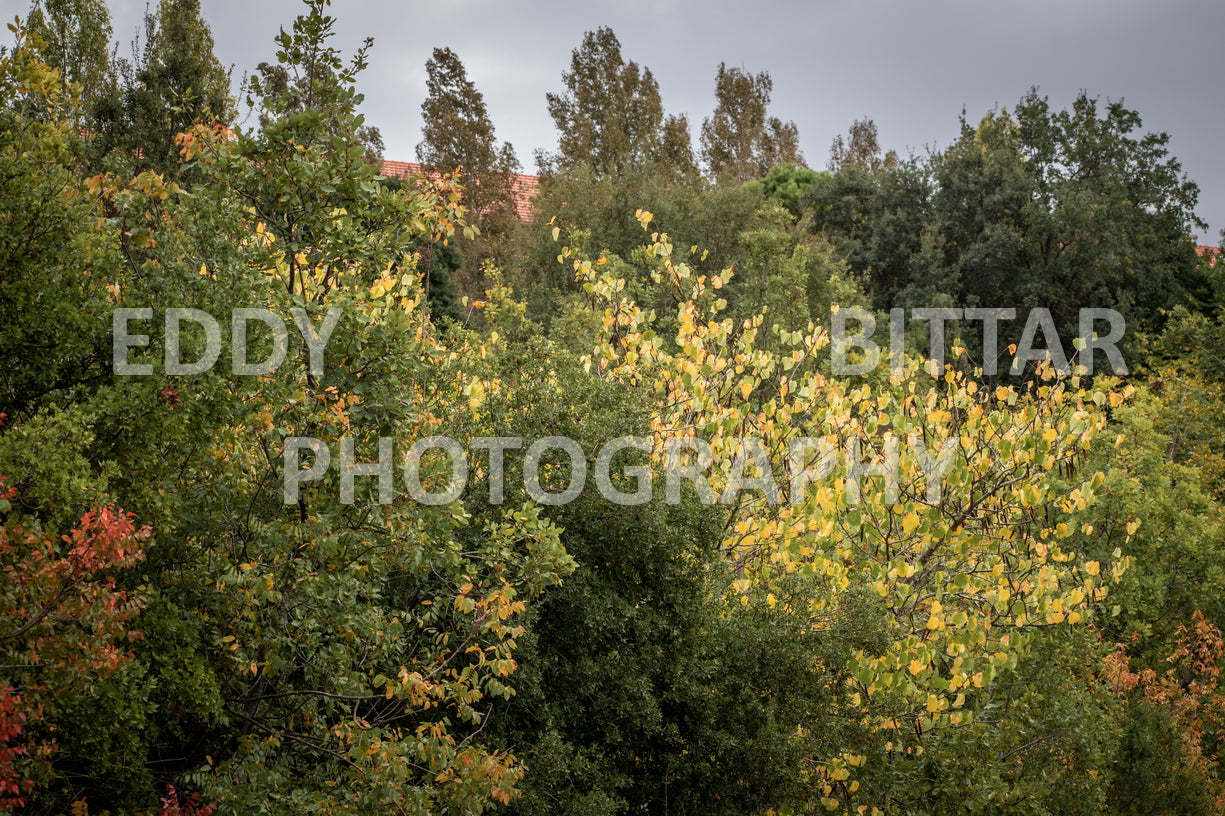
(639, 523)
(610, 117)
(740, 141)
(173, 82)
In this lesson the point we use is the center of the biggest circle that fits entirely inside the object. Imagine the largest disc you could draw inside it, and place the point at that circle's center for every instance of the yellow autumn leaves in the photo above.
(960, 546)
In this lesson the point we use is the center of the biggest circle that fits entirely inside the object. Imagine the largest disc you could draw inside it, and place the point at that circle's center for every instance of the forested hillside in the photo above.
(718, 484)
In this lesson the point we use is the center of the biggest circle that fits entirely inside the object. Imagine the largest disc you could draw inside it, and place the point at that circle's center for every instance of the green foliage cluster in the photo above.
(172, 82)
(610, 117)
(1030, 208)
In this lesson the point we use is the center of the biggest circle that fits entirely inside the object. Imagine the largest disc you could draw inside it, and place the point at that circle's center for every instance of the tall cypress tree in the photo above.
(459, 134)
(173, 83)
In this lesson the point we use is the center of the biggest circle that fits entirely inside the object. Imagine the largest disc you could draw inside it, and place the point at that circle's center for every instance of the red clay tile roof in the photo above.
(524, 187)
(1209, 251)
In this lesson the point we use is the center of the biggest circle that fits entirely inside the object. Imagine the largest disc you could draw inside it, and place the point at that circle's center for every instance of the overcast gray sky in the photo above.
(911, 65)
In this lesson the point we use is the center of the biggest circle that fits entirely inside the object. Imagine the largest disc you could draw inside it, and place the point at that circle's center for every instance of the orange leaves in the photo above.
(64, 619)
(195, 142)
(1189, 692)
(106, 537)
